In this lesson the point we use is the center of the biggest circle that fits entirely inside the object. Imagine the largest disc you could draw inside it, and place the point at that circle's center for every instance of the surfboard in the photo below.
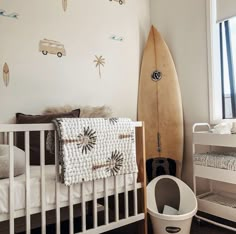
(6, 74)
(159, 102)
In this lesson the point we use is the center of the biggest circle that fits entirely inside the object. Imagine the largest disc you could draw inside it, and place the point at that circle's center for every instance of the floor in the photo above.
(202, 228)
(206, 228)
(197, 228)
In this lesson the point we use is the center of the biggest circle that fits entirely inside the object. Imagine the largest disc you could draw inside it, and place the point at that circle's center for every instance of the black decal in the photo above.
(173, 229)
(156, 75)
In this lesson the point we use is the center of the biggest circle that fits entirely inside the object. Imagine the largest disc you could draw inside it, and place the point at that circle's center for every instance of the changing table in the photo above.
(215, 166)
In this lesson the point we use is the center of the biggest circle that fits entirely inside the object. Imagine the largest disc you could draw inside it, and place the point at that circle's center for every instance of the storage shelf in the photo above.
(218, 205)
(220, 199)
(208, 138)
(218, 174)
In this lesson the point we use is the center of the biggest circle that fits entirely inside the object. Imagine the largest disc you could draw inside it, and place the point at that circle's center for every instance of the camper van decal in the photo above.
(64, 4)
(117, 38)
(51, 47)
(6, 75)
(100, 61)
(120, 1)
(10, 15)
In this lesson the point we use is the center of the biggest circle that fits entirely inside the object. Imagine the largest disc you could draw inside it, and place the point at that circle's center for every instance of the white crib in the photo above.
(40, 190)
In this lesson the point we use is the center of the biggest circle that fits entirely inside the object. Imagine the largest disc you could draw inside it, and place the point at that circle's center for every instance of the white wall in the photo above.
(38, 81)
(183, 26)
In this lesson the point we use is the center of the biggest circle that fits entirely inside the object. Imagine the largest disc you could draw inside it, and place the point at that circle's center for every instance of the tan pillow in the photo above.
(85, 111)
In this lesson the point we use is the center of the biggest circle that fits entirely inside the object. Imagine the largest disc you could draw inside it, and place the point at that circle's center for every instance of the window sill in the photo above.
(218, 121)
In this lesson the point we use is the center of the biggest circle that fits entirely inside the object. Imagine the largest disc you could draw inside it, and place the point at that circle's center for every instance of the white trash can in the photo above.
(171, 205)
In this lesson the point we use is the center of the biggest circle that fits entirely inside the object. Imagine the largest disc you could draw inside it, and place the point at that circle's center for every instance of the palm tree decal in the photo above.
(87, 140)
(113, 120)
(100, 61)
(115, 162)
(112, 164)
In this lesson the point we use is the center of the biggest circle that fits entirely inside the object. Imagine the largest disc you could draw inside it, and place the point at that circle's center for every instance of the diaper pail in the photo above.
(171, 205)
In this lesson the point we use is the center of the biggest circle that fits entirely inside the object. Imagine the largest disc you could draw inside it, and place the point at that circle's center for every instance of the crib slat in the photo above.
(95, 222)
(116, 199)
(27, 181)
(126, 197)
(58, 214)
(11, 176)
(106, 201)
(42, 164)
(135, 195)
(71, 209)
(83, 208)
(5, 140)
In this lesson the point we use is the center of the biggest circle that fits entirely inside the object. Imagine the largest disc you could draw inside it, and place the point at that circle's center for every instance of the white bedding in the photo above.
(35, 185)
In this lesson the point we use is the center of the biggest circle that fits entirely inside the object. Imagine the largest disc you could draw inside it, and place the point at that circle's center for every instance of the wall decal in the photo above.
(117, 38)
(10, 15)
(120, 1)
(52, 47)
(64, 4)
(6, 74)
(99, 61)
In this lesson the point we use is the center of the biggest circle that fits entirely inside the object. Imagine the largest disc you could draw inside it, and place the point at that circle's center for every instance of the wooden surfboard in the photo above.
(159, 102)
(6, 75)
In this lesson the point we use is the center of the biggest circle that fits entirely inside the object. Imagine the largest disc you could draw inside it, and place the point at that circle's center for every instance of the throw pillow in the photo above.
(35, 136)
(19, 161)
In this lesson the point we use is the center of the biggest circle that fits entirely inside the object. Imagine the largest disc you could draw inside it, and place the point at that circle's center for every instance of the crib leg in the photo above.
(142, 226)
(142, 208)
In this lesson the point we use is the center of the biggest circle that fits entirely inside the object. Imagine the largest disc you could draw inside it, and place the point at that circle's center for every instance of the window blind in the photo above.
(226, 9)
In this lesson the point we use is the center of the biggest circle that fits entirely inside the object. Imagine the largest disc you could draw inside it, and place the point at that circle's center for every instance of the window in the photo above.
(227, 36)
(221, 29)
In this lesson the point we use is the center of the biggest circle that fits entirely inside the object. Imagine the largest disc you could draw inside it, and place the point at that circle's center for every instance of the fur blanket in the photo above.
(85, 111)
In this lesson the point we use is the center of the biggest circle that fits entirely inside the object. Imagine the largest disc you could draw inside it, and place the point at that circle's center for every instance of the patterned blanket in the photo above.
(220, 160)
(95, 148)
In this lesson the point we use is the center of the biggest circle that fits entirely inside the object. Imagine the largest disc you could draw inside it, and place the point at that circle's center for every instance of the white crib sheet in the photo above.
(35, 184)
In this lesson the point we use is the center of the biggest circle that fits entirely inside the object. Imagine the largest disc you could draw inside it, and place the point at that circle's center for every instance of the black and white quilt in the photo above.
(95, 148)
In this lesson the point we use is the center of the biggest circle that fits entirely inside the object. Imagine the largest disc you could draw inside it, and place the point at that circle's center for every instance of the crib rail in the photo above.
(134, 209)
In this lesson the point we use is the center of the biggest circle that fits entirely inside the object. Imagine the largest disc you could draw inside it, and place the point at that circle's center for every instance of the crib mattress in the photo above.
(220, 160)
(35, 185)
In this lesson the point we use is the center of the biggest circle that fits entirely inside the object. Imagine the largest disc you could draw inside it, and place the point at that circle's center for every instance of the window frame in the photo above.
(214, 66)
(215, 100)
